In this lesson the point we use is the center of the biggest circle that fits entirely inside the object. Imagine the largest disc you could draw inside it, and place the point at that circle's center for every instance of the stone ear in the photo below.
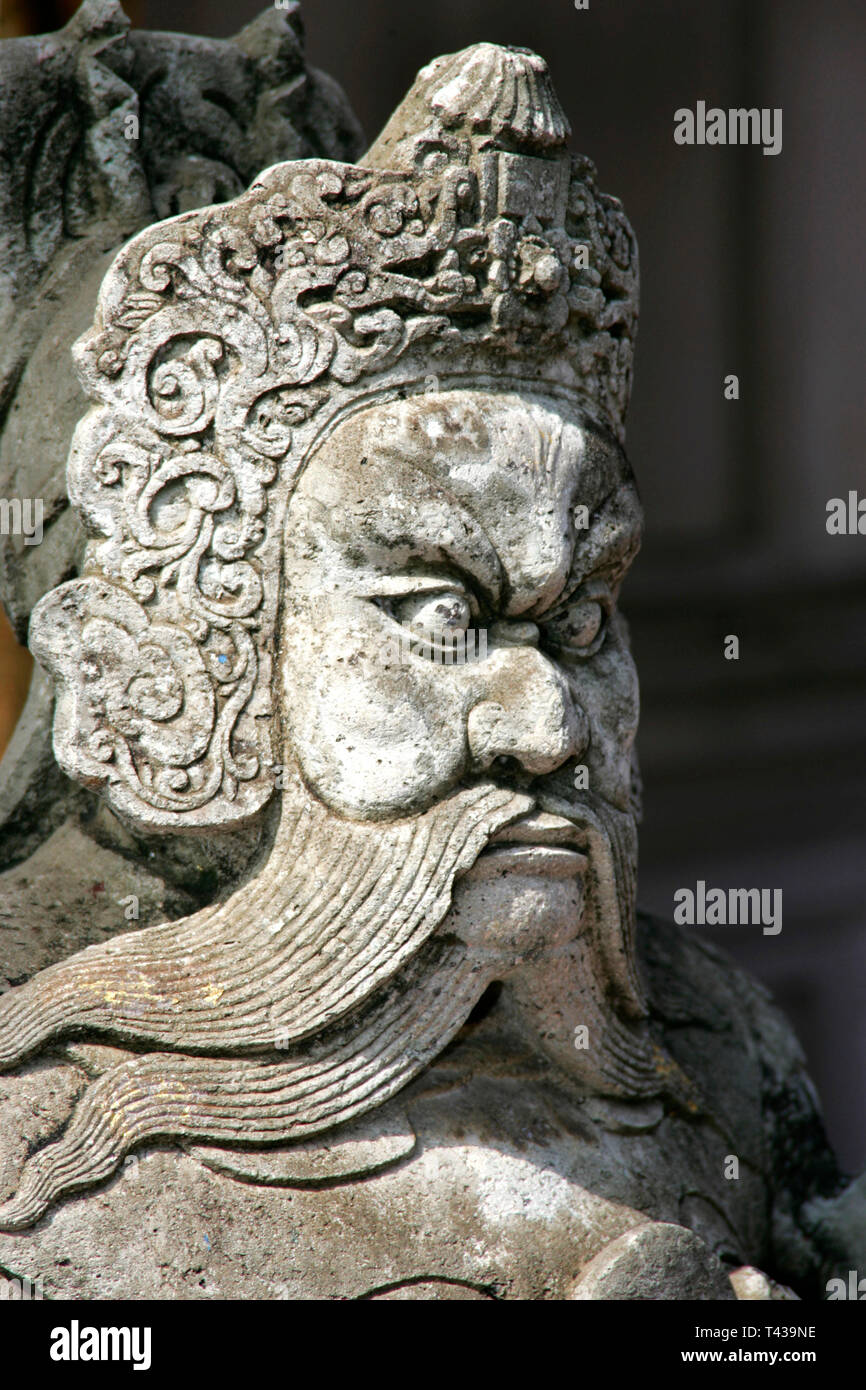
(140, 714)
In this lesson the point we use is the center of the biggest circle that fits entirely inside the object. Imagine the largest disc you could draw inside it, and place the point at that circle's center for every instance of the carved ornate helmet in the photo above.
(469, 245)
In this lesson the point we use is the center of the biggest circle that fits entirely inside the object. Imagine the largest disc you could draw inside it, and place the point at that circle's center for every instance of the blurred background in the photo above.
(754, 770)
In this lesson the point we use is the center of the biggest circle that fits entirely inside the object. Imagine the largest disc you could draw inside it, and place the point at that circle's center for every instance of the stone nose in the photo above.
(527, 713)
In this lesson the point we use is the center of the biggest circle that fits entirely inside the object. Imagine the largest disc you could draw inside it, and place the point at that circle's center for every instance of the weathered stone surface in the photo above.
(359, 1148)
(510, 1190)
(338, 424)
(752, 1285)
(36, 1105)
(838, 1225)
(71, 893)
(511, 1183)
(655, 1262)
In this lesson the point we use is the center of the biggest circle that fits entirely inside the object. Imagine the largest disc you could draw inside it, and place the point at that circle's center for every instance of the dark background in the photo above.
(754, 769)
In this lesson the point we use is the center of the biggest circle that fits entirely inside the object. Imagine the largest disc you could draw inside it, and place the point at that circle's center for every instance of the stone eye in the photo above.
(445, 612)
(580, 628)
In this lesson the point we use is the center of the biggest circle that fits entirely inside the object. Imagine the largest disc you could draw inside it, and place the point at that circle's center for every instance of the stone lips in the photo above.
(229, 340)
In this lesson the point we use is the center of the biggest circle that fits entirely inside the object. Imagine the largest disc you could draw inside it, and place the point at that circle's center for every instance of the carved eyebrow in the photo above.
(468, 546)
(615, 552)
(485, 568)
(592, 557)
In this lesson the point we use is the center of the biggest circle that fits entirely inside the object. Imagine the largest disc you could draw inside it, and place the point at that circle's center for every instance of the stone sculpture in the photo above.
(426, 1047)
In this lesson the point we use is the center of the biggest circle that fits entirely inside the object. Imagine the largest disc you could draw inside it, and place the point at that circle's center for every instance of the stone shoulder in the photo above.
(726, 1032)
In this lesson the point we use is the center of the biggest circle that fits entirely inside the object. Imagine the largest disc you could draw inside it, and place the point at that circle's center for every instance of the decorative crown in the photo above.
(469, 244)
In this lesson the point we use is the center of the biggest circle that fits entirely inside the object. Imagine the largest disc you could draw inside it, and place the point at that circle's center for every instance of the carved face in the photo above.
(505, 518)
(463, 510)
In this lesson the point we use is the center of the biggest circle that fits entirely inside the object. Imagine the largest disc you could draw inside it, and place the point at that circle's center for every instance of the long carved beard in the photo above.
(313, 994)
(591, 981)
